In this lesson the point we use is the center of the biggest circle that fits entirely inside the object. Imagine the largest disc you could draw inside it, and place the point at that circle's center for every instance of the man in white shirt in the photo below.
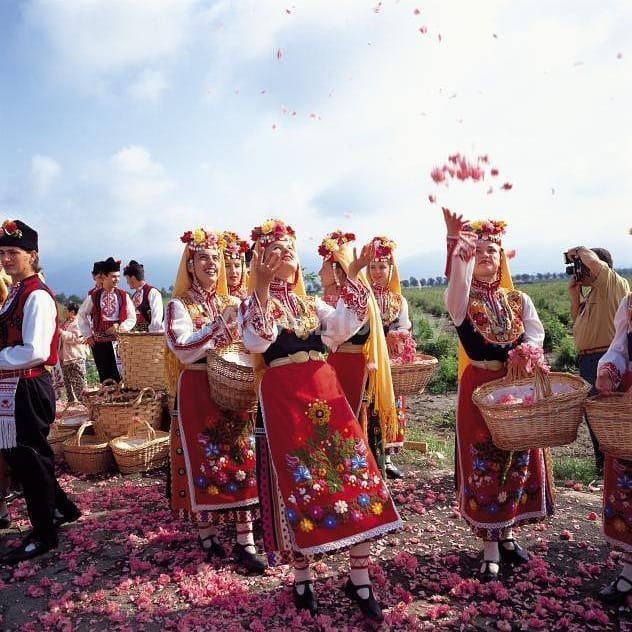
(105, 312)
(146, 298)
(28, 344)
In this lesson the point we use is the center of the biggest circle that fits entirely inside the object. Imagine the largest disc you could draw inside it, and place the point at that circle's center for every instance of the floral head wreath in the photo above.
(200, 239)
(271, 230)
(333, 242)
(10, 228)
(235, 247)
(487, 229)
(384, 248)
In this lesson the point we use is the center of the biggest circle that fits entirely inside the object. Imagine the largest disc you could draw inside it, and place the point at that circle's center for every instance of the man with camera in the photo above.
(593, 313)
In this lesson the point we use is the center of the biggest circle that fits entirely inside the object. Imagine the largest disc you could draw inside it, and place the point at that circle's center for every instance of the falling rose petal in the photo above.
(619, 55)
(416, 12)
(279, 54)
(494, 36)
(423, 30)
(439, 37)
(377, 8)
(490, 190)
(552, 191)
(288, 11)
(494, 171)
(347, 215)
(274, 126)
(510, 254)
(431, 198)
(507, 186)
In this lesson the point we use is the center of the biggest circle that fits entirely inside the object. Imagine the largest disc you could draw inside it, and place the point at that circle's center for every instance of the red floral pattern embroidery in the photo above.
(356, 298)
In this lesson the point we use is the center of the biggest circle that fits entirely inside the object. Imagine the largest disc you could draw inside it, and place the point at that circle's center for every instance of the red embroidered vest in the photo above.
(143, 310)
(11, 320)
(98, 324)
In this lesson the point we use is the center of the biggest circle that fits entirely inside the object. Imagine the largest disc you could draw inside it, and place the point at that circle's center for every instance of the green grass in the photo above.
(573, 468)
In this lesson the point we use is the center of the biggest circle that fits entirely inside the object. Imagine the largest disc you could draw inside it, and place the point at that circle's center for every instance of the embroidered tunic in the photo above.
(149, 310)
(496, 489)
(319, 485)
(617, 483)
(101, 309)
(212, 450)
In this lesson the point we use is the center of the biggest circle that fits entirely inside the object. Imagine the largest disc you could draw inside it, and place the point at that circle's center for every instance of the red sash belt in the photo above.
(36, 371)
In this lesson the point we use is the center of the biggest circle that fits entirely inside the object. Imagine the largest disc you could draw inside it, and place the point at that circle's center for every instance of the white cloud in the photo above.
(150, 86)
(44, 171)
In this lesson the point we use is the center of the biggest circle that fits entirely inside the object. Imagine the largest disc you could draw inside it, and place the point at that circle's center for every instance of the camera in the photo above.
(574, 267)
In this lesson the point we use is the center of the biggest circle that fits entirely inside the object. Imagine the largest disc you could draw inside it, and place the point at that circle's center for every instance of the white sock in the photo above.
(209, 531)
(387, 459)
(245, 537)
(302, 573)
(507, 534)
(491, 554)
(359, 567)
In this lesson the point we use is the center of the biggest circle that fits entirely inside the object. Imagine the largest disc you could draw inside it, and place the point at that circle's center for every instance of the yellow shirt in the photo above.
(594, 326)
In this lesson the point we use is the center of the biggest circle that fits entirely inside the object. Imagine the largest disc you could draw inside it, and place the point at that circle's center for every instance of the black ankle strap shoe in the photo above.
(215, 549)
(515, 555)
(254, 562)
(614, 595)
(369, 607)
(306, 601)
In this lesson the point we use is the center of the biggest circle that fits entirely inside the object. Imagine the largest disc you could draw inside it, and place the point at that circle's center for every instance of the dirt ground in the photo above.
(127, 565)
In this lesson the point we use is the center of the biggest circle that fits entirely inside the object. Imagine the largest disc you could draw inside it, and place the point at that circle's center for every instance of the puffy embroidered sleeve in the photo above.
(616, 360)
(84, 316)
(38, 329)
(459, 270)
(156, 309)
(533, 329)
(188, 343)
(338, 324)
(130, 321)
(256, 325)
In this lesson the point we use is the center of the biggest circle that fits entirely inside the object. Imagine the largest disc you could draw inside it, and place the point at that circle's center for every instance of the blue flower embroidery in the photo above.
(231, 487)
(624, 481)
(358, 462)
(200, 481)
(330, 522)
(522, 459)
(608, 511)
(291, 515)
(363, 500)
(479, 464)
(302, 473)
(211, 449)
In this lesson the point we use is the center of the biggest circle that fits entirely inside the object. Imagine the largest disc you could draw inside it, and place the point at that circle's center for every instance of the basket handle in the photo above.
(136, 423)
(111, 387)
(139, 398)
(76, 440)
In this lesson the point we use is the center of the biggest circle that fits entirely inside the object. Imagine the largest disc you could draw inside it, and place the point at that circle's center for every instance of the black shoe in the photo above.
(254, 562)
(214, 550)
(5, 521)
(517, 555)
(612, 594)
(487, 574)
(392, 472)
(369, 607)
(71, 514)
(306, 601)
(31, 547)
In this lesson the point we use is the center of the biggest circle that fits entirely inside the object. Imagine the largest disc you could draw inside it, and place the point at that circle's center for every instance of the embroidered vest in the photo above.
(390, 304)
(143, 310)
(11, 320)
(98, 324)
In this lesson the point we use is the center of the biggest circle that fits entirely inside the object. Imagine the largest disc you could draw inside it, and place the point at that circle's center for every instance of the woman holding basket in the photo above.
(361, 362)
(614, 372)
(496, 489)
(320, 487)
(212, 451)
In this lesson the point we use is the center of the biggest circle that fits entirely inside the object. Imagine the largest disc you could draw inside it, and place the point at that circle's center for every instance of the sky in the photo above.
(124, 123)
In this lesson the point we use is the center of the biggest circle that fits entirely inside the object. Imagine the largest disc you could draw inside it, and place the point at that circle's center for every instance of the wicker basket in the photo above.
(141, 449)
(113, 415)
(412, 378)
(231, 384)
(143, 357)
(57, 434)
(85, 454)
(552, 420)
(611, 421)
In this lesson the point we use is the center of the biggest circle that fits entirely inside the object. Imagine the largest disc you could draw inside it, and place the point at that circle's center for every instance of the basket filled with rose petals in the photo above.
(532, 407)
(611, 421)
(410, 371)
(231, 378)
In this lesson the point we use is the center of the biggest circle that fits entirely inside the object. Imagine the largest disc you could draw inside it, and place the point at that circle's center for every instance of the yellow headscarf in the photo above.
(506, 282)
(183, 282)
(380, 387)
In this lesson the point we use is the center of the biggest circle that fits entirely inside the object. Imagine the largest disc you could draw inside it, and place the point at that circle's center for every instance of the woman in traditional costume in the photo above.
(235, 263)
(320, 488)
(614, 372)
(496, 489)
(213, 467)
(393, 307)
(361, 362)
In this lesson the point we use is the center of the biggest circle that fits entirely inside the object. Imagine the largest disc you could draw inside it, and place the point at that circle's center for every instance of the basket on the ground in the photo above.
(550, 417)
(231, 378)
(57, 434)
(114, 413)
(143, 357)
(86, 454)
(611, 421)
(413, 377)
(141, 449)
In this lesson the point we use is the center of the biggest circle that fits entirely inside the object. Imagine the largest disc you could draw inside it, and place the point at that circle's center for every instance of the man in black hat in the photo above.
(105, 312)
(29, 343)
(146, 299)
